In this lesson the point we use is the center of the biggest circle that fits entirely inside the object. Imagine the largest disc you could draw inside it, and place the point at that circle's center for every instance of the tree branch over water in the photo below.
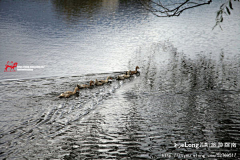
(226, 9)
(170, 8)
(162, 8)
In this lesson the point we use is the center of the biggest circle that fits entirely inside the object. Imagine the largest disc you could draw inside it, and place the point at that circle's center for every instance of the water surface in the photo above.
(73, 38)
(188, 89)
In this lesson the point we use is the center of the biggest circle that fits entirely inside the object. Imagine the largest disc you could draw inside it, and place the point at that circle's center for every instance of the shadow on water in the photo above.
(176, 99)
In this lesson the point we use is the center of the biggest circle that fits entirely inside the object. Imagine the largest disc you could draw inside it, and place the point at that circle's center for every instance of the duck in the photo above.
(122, 77)
(127, 75)
(134, 72)
(68, 93)
(97, 83)
(106, 81)
(91, 83)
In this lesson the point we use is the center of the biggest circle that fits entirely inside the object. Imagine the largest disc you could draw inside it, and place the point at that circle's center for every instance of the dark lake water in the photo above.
(184, 104)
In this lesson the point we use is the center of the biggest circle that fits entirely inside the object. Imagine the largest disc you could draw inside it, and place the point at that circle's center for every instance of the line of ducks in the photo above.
(98, 83)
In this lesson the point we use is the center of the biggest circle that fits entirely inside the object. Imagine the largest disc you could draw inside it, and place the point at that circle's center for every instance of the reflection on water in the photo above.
(77, 8)
(91, 7)
(203, 72)
(99, 13)
(175, 99)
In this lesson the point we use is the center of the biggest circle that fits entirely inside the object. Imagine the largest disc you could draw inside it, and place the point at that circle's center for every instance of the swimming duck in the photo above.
(68, 93)
(106, 81)
(97, 83)
(91, 83)
(122, 77)
(127, 75)
(134, 72)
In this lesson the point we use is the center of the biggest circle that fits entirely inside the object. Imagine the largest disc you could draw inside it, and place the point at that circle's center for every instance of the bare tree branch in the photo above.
(171, 8)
